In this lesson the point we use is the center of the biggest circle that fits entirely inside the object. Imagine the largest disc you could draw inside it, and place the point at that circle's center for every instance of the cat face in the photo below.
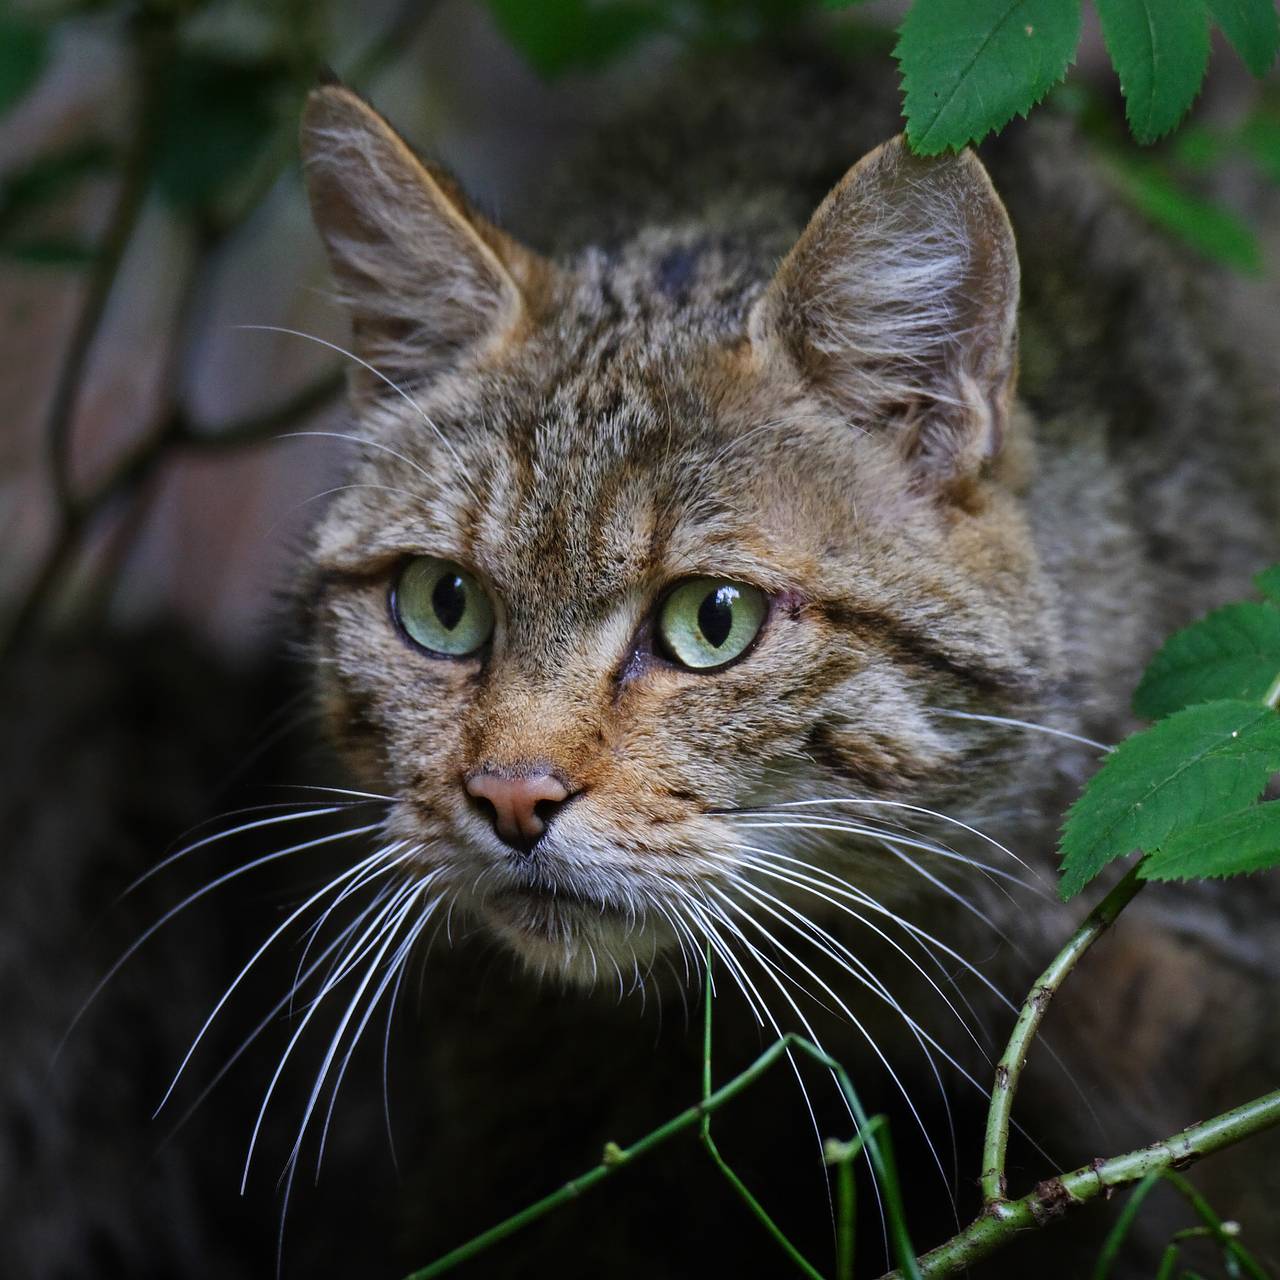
(645, 544)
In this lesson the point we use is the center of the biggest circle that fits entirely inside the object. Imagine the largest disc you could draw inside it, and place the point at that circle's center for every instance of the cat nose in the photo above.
(519, 805)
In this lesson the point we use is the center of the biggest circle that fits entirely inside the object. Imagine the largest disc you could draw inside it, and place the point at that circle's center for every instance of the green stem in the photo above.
(1009, 1068)
(999, 1223)
(846, 1220)
(759, 1210)
(704, 1134)
(615, 1158)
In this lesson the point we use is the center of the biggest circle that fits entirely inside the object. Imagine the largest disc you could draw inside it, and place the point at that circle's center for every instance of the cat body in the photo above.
(973, 447)
(963, 515)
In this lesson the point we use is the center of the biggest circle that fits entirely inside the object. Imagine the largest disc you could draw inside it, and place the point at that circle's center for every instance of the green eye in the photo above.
(707, 622)
(442, 607)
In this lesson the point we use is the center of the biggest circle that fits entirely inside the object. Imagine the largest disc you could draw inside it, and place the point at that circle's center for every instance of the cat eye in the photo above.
(707, 622)
(441, 607)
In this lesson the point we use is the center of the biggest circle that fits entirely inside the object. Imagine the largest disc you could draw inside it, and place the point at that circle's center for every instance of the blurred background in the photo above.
(155, 494)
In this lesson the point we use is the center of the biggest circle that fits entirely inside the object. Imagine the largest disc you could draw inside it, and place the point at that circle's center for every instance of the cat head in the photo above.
(645, 544)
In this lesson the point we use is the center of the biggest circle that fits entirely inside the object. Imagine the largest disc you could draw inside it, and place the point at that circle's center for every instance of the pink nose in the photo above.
(520, 806)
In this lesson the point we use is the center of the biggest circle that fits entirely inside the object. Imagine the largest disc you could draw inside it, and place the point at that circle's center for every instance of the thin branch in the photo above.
(138, 465)
(1053, 1197)
(708, 1143)
(1009, 1068)
(152, 51)
(616, 1157)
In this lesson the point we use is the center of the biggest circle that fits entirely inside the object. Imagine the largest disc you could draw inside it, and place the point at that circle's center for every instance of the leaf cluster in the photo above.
(1186, 791)
(970, 66)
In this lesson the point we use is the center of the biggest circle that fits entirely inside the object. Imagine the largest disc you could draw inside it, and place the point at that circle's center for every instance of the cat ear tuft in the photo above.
(898, 304)
(425, 278)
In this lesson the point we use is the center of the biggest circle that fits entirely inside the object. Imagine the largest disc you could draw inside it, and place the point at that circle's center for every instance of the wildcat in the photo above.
(725, 559)
(707, 571)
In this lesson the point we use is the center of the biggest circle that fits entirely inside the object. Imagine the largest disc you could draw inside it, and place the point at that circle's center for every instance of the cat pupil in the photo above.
(715, 615)
(449, 600)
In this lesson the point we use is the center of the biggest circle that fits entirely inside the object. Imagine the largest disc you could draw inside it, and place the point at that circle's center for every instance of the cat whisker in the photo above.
(336, 791)
(372, 861)
(941, 851)
(328, 493)
(806, 1027)
(1022, 724)
(842, 1005)
(192, 898)
(252, 1037)
(888, 804)
(257, 824)
(760, 865)
(395, 971)
(354, 954)
(392, 858)
(460, 473)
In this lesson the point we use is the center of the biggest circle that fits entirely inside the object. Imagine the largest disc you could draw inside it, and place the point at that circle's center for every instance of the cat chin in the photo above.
(573, 942)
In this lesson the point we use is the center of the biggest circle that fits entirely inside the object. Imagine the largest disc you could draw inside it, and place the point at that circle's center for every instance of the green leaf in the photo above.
(1160, 49)
(1197, 765)
(970, 66)
(574, 35)
(217, 119)
(1209, 229)
(1268, 582)
(1247, 840)
(1253, 29)
(1232, 653)
(24, 52)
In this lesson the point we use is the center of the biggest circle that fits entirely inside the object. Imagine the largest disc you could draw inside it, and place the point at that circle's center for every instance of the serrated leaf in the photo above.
(1268, 582)
(24, 52)
(1160, 50)
(1208, 228)
(1253, 29)
(1197, 765)
(970, 66)
(557, 36)
(1232, 653)
(1236, 843)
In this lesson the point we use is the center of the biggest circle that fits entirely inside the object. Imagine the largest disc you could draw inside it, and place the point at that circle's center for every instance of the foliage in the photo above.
(970, 66)
(1184, 791)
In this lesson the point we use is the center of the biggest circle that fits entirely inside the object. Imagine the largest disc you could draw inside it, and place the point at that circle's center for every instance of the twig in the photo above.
(152, 54)
(1009, 1068)
(708, 1143)
(616, 1157)
(997, 1225)
(136, 466)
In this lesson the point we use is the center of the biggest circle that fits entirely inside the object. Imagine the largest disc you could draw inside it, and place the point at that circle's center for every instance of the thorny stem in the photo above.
(1009, 1068)
(999, 1223)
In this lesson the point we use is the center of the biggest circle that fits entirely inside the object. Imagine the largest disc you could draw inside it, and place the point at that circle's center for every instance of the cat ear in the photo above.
(898, 304)
(424, 277)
